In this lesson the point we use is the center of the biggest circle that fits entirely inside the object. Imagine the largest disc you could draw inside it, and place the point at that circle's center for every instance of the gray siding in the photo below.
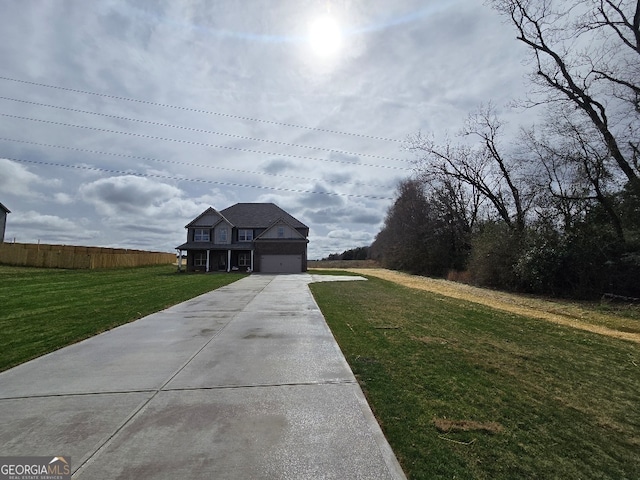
(3, 223)
(288, 232)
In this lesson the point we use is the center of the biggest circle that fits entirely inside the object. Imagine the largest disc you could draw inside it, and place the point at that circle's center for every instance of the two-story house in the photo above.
(257, 237)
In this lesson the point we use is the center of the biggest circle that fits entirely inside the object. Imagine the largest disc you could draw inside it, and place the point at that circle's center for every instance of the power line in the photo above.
(202, 144)
(187, 164)
(201, 130)
(198, 110)
(196, 180)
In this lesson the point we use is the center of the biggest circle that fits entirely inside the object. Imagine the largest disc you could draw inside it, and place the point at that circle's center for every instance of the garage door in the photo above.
(281, 263)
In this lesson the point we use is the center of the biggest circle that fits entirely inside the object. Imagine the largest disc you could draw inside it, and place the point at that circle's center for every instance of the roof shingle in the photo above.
(258, 215)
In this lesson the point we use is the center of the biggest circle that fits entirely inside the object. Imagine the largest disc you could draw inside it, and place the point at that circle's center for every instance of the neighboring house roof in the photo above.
(4, 208)
(258, 215)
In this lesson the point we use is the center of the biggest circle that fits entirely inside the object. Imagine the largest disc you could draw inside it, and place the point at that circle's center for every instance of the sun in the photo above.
(325, 36)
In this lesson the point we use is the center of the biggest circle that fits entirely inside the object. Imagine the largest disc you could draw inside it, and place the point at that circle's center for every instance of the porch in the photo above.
(218, 260)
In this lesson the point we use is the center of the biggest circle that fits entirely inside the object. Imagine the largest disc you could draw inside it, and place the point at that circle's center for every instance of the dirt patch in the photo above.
(562, 313)
(444, 425)
(431, 340)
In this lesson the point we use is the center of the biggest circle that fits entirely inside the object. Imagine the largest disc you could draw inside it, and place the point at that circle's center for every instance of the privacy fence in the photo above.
(69, 256)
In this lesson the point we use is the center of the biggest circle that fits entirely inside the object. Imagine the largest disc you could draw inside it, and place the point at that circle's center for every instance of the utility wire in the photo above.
(202, 144)
(198, 110)
(201, 130)
(187, 164)
(197, 180)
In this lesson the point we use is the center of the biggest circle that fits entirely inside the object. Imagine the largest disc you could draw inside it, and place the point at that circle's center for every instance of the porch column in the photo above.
(228, 260)
(179, 260)
(208, 252)
(252, 261)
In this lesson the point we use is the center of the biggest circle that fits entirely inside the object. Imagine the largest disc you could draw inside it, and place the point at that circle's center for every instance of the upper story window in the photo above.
(222, 234)
(201, 235)
(280, 232)
(245, 235)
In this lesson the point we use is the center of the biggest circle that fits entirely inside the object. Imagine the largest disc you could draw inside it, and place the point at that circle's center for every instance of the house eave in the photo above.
(214, 246)
(282, 240)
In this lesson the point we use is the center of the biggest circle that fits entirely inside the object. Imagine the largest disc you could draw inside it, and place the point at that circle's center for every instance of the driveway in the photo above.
(245, 382)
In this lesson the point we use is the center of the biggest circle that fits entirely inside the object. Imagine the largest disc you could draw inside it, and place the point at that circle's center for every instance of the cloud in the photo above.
(128, 194)
(16, 179)
(367, 217)
(351, 235)
(144, 212)
(63, 198)
(328, 198)
(34, 220)
(275, 167)
(337, 241)
(352, 213)
(33, 226)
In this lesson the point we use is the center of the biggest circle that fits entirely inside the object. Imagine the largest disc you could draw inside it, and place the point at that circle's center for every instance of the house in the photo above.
(255, 237)
(3, 220)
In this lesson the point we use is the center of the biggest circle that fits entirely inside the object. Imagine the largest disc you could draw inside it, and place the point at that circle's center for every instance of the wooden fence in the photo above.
(69, 256)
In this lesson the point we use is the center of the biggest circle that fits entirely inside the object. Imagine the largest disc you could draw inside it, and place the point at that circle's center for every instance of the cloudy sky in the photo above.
(123, 120)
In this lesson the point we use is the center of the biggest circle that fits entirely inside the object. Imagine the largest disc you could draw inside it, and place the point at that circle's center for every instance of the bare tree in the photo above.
(587, 54)
(577, 171)
(483, 168)
(619, 21)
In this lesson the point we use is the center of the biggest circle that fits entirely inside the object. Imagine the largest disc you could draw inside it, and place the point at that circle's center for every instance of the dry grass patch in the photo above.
(430, 340)
(569, 314)
(445, 425)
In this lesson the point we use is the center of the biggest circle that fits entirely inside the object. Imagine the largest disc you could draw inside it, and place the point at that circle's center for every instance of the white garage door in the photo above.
(281, 263)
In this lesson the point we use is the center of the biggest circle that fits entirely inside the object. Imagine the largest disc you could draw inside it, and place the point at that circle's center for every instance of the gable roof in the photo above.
(2, 207)
(208, 212)
(280, 221)
(259, 215)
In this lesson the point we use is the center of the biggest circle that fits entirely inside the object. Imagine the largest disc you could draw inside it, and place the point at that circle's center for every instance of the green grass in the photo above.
(42, 310)
(464, 391)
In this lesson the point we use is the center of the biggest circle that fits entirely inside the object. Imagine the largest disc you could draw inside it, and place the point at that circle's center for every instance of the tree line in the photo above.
(558, 210)
(358, 253)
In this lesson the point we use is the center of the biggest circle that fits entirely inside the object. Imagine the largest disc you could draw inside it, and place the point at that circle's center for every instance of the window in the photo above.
(244, 260)
(222, 235)
(201, 235)
(200, 259)
(245, 235)
(280, 232)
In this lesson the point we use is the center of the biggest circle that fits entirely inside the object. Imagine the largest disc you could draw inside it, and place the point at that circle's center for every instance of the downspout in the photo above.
(252, 260)
(228, 261)
(208, 252)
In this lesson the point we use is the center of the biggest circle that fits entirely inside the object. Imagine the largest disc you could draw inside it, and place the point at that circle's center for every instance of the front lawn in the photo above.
(465, 391)
(42, 310)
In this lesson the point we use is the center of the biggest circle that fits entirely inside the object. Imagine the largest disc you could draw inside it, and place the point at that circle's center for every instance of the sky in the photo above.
(121, 121)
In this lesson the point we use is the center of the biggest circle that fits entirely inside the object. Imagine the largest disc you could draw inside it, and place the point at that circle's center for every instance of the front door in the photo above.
(222, 261)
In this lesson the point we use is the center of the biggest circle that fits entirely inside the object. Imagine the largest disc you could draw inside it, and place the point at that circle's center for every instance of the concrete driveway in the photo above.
(245, 382)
